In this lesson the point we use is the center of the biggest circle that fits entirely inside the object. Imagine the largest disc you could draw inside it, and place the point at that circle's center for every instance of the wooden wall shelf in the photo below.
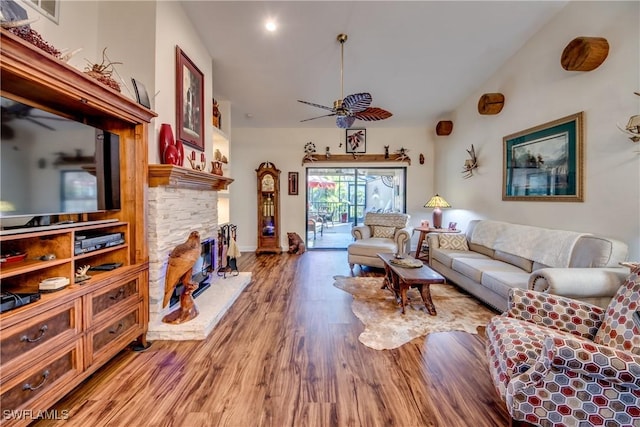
(180, 177)
(356, 158)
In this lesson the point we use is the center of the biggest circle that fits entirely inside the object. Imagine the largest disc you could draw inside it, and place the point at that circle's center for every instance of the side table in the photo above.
(423, 234)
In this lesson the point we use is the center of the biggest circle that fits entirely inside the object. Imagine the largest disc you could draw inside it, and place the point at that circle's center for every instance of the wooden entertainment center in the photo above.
(49, 346)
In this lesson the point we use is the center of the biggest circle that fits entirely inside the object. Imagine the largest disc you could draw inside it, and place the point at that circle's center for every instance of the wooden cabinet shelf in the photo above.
(60, 351)
(29, 265)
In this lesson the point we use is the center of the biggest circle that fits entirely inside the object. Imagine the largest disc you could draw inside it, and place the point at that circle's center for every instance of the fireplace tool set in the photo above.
(228, 251)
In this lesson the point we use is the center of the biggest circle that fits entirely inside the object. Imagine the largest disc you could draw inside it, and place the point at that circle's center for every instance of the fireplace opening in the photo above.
(201, 272)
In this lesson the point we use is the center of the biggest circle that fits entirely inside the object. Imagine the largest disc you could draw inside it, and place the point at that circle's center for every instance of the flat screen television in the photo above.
(50, 165)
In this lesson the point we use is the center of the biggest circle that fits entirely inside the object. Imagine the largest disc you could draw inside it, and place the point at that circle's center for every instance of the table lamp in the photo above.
(437, 202)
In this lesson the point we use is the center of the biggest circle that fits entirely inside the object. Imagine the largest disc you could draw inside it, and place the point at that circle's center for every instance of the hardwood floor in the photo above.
(287, 354)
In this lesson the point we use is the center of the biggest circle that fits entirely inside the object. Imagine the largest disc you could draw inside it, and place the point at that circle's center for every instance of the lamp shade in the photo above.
(437, 202)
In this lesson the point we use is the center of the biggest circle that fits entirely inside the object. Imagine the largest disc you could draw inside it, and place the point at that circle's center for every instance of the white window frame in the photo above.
(36, 5)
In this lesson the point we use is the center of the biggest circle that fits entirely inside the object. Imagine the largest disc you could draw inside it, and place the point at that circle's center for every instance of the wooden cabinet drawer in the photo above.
(109, 299)
(38, 386)
(108, 339)
(22, 343)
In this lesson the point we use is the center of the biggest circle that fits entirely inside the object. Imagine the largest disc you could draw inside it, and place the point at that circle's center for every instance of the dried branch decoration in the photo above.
(470, 164)
(102, 72)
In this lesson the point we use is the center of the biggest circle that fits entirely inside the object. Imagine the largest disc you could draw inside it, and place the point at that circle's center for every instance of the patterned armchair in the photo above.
(558, 361)
(381, 233)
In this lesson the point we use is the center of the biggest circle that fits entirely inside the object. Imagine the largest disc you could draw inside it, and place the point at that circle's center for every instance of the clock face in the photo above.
(268, 183)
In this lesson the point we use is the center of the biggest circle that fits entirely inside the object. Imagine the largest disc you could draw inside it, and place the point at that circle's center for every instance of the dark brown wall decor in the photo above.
(444, 127)
(189, 101)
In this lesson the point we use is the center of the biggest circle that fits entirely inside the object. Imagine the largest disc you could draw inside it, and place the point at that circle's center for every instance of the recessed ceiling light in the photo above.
(271, 25)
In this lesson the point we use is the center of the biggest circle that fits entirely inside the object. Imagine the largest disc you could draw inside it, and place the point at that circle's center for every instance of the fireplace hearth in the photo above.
(173, 213)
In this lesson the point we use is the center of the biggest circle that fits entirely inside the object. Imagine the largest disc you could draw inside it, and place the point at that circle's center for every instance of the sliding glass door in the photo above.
(338, 198)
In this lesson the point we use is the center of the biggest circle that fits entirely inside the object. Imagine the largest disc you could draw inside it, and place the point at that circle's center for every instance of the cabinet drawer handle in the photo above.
(118, 295)
(117, 329)
(45, 377)
(43, 330)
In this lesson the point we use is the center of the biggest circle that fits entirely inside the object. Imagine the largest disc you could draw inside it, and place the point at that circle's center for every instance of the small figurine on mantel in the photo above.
(179, 269)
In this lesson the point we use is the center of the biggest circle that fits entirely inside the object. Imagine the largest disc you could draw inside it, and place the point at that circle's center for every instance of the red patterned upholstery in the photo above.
(556, 361)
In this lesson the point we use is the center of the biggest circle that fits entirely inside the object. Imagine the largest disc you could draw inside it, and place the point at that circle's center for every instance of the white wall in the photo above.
(174, 28)
(538, 90)
(285, 148)
(76, 28)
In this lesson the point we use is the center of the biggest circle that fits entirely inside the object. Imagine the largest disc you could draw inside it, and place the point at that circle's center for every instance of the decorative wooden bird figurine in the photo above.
(179, 269)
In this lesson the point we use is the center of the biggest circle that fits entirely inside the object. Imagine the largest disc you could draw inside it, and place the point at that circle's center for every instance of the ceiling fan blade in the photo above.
(372, 114)
(344, 122)
(39, 123)
(357, 102)
(319, 117)
(317, 105)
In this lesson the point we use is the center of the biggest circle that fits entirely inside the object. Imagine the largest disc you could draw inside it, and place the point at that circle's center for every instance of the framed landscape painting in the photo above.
(189, 101)
(545, 163)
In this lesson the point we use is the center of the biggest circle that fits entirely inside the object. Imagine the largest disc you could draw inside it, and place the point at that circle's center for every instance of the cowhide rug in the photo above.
(385, 325)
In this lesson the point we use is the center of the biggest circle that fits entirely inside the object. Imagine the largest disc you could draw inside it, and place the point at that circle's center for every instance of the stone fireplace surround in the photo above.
(180, 201)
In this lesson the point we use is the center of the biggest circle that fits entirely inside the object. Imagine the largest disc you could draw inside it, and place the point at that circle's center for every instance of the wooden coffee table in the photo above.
(400, 279)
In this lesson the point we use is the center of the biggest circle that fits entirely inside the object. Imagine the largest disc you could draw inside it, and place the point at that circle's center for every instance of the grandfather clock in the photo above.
(268, 209)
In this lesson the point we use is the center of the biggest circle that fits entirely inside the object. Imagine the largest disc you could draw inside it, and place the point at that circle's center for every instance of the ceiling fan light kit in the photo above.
(348, 109)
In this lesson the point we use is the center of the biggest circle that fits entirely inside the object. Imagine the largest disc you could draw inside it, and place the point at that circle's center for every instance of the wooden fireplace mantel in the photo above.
(180, 177)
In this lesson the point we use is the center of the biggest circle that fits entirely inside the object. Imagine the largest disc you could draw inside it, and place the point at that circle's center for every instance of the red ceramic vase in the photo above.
(170, 155)
(180, 149)
(165, 139)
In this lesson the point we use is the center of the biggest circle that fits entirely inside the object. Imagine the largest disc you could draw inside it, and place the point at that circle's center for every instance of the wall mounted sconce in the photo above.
(470, 164)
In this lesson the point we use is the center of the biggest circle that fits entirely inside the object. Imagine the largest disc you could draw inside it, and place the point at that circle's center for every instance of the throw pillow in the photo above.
(618, 328)
(457, 242)
(382, 231)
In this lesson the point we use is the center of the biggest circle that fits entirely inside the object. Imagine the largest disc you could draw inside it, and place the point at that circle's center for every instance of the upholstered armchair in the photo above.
(558, 361)
(381, 233)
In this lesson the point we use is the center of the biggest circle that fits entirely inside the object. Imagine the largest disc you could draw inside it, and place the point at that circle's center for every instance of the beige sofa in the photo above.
(381, 233)
(500, 256)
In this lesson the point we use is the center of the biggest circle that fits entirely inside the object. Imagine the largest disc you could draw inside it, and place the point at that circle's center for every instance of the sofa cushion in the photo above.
(446, 256)
(595, 251)
(538, 265)
(383, 231)
(618, 328)
(481, 249)
(522, 263)
(473, 268)
(372, 246)
(456, 242)
(501, 281)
